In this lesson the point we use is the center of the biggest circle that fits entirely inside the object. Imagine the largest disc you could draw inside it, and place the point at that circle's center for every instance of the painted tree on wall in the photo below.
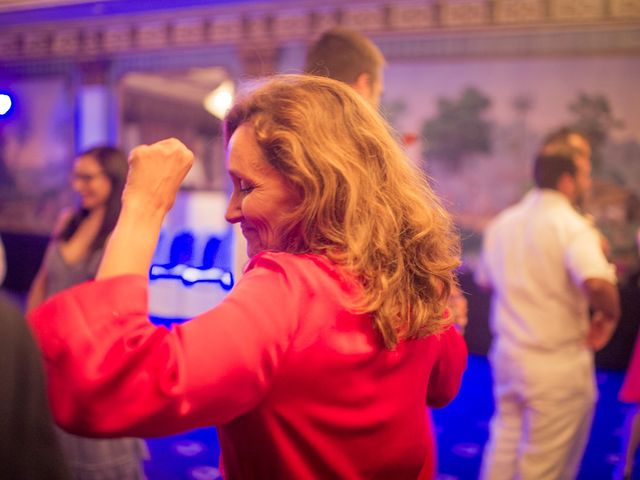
(594, 117)
(393, 110)
(458, 129)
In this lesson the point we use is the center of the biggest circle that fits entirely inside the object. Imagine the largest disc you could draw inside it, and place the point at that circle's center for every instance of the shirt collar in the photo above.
(549, 195)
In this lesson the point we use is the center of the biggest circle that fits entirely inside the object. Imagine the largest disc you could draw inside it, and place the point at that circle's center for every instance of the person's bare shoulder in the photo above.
(63, 218)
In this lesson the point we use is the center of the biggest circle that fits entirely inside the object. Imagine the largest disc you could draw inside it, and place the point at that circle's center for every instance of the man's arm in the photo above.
(481, 275)
(604, 299)
(459, 308)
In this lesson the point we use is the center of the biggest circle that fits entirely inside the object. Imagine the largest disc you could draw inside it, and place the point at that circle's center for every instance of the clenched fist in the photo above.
(156, 172)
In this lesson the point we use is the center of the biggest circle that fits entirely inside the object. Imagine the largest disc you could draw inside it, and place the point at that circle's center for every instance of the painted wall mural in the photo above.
(479, 124)
(36, 151)
(471, 85)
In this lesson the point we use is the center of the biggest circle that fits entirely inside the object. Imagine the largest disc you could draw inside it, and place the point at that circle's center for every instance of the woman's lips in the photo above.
(246, 230)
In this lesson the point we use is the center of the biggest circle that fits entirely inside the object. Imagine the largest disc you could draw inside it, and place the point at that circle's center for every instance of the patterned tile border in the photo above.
(405, 29)
(265, 23)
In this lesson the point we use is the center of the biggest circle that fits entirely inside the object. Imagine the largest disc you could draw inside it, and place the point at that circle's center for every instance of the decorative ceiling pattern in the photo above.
(503, 27)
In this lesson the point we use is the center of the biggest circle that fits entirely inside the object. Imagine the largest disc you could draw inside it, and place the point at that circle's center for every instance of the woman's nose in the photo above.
(234, 212)
(76, 185)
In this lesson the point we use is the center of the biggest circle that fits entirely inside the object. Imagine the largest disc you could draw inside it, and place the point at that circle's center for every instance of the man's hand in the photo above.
(155, 174)
(600, 331)
(458, 308)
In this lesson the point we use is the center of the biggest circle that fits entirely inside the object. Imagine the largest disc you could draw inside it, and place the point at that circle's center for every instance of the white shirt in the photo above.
(536, 256)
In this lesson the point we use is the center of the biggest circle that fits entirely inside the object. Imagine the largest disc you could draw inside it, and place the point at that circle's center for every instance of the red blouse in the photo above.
(298, 386)
(630, 391)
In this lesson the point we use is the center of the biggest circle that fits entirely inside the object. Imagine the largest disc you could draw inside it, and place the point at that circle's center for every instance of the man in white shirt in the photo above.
(545, 263)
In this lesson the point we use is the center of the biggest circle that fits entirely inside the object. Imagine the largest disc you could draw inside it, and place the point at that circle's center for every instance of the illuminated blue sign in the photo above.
(192, 275)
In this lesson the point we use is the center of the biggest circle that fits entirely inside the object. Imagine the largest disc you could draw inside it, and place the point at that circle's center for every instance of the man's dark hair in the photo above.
(560, 137)
(343, 55)
(549, 167)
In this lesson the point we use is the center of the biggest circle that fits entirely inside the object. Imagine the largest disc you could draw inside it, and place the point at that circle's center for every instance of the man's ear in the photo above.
(362, 85)
(566, 184)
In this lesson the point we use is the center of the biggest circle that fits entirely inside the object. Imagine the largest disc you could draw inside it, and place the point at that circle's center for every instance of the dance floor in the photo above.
(462, 430)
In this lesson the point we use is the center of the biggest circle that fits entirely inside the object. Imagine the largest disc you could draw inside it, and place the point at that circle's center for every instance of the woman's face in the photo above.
(90, 182)
(261, 197)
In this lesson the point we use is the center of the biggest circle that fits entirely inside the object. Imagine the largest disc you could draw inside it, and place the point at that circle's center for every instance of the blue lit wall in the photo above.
(193, 263)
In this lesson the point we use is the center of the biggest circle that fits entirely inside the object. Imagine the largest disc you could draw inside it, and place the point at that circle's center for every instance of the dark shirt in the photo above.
(29, 448)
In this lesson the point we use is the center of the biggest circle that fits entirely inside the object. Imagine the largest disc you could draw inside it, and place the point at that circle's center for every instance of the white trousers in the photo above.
(544, 405)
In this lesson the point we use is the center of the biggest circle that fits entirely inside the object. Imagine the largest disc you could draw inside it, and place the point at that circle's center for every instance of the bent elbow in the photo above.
(440, 401)
(603, 296)
(84, 411)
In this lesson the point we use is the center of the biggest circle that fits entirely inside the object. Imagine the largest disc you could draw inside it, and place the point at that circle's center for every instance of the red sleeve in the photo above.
(112, 373)
(446, 376)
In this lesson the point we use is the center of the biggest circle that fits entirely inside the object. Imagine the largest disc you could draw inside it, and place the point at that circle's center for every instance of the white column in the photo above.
(93, 116)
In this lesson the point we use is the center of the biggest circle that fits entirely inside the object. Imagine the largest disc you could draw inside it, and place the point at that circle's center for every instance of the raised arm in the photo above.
(110, 372)
(155, 174)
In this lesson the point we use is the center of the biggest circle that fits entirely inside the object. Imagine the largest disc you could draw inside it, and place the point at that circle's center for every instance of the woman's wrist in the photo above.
(147, 210)
(133, 241)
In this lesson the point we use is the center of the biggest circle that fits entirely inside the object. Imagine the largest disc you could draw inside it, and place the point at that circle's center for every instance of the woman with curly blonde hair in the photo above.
(321, 360)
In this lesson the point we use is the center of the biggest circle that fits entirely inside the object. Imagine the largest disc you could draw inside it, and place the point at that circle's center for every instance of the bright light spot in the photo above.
(204, 472)
(218, 101)
(189, 448)
(5, 103)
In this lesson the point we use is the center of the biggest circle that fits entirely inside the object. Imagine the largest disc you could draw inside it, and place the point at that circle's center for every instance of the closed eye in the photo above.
(245, 187)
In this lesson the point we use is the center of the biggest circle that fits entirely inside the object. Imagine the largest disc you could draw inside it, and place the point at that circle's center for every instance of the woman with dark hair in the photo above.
(74, 254)
(73, 257)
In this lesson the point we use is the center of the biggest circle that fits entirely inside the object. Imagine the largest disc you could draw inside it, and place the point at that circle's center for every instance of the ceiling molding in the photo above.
(404, 29)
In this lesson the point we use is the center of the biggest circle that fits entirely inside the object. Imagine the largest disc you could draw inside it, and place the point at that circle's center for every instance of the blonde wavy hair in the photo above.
(364, 205)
